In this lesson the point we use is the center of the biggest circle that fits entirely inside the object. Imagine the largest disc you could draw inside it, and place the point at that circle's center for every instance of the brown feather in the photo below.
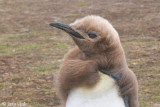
(81, 65)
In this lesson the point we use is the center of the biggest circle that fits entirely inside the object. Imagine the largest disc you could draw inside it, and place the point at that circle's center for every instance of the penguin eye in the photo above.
(92, 35)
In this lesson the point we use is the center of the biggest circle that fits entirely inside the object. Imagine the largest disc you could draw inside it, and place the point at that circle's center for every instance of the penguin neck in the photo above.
(110, 59)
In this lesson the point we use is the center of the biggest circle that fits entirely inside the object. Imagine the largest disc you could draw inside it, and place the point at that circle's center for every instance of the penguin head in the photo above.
(94, 35)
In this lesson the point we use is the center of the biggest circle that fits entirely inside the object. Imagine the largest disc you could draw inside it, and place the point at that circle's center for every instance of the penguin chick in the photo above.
(98, 49)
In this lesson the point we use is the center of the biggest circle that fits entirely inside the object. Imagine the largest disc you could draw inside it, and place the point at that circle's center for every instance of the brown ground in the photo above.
(31, 51)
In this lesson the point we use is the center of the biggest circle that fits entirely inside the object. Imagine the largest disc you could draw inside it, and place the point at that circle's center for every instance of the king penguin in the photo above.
(95, 72)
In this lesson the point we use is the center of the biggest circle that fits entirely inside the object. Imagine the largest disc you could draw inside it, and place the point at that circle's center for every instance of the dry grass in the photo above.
(31, 51)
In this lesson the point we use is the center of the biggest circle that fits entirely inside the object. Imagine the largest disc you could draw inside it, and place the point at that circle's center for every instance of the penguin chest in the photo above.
(104, 94)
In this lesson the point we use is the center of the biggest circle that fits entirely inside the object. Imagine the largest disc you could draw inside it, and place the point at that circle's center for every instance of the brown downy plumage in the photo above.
(99, 48)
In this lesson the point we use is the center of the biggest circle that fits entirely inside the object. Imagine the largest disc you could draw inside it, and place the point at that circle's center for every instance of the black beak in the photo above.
(67, 29)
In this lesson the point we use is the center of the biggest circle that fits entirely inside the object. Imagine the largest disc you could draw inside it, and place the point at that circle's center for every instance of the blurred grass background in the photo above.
(31, 51)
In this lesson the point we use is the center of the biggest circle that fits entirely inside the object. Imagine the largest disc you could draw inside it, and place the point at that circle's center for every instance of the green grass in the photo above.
(30, 103)
(45, 68)
(144, 104)
(141, 16)
(4, 28)
(48, 67)
(17, 79)
(9, 49)
(47, 87)
(147, 43)
(56, 65)
(135, 63)
(6, 49)
(139, 42)
(71, 16)
(38, 105)
(61, 45)
(11, 44)
(29, 46)
(82, 3)
(46, 91)
(2, 105)
(2, 85)
(20, 35)
(155, 99)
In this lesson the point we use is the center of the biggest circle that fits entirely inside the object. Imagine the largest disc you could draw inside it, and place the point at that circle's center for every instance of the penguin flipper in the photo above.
(117, 77)
(125, 98)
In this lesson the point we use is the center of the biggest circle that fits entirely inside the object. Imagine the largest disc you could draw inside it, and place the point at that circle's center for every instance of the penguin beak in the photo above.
(67, 29)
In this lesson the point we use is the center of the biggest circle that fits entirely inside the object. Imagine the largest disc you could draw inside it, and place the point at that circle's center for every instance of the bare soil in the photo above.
(31, 51)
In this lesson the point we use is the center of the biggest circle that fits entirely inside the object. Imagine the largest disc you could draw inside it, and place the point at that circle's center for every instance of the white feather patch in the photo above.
(104, 94)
